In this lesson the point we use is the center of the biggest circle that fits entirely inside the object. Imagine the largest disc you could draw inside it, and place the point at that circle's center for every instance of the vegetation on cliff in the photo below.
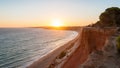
(62, 54)
(109, 18)
(118, 44)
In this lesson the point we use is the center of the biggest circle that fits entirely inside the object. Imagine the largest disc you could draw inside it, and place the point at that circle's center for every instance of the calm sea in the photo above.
(19, 47)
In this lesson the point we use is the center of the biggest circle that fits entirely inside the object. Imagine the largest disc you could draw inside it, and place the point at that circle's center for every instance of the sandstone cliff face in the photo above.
(108, 57)
(94, 39)
(91, 39)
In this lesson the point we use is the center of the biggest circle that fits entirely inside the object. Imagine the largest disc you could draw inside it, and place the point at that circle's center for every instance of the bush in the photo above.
(118, 44)
(109, 18)
(62, 55)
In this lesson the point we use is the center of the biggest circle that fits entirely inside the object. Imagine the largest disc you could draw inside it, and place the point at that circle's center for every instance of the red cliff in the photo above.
(91, 39)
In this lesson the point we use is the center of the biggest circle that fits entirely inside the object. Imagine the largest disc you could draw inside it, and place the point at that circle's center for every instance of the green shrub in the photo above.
(109, 18)
(62, 54)
(118, 44)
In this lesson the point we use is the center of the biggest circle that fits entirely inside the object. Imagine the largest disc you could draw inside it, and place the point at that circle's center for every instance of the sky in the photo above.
(33, 13)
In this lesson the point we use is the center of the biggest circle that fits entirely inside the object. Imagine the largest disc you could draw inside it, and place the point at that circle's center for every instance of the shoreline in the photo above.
(46, 60)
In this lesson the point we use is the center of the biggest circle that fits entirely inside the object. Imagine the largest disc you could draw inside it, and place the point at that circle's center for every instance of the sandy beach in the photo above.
(49, 58)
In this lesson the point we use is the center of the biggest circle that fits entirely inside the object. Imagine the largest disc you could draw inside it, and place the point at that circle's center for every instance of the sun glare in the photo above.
(57, 23)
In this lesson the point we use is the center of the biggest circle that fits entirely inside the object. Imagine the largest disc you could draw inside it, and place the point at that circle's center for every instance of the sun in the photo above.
(57, 23)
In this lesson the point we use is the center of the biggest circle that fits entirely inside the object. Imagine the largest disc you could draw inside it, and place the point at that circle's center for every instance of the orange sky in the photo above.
(38, 23)
(33, 24)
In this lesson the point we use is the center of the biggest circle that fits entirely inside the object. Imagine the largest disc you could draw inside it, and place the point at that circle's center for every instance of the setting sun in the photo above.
(57, 23)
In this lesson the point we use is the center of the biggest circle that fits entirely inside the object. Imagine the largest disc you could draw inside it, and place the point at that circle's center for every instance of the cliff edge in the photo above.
(91, 40)
(107, 57)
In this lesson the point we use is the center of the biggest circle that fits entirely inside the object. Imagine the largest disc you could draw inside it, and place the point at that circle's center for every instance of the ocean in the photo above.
(20, 47)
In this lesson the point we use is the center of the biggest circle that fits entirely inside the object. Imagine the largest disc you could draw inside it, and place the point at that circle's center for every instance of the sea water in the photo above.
(20, 47)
